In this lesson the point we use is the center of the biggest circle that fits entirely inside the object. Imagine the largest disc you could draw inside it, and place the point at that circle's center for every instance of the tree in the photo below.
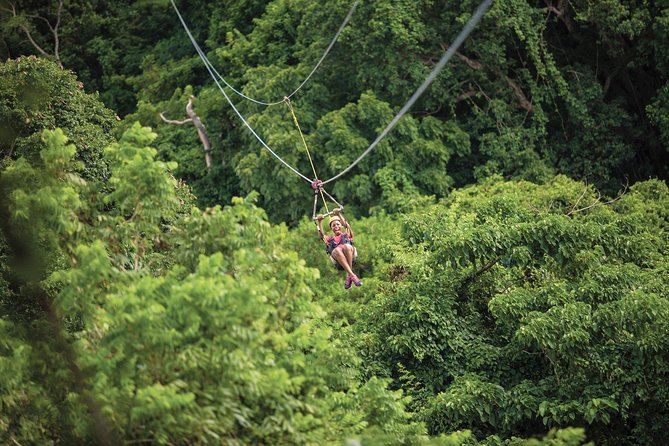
(162, 324)
(201, 130)
(36, 94)
(511, 308)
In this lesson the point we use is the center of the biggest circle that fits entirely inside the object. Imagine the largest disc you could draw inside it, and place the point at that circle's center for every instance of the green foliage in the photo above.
(150, 335)
(180, 143)
(575, 88)
(533, 92)
(559, 437)
(523, 307)
(658, 112)
(27, 413)
(508, 309)
(35, 95)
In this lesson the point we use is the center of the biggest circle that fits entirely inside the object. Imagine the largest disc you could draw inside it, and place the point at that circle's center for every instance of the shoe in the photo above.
(356, 281)
(347, 284)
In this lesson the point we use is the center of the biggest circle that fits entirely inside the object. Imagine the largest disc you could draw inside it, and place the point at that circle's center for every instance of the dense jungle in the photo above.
(162, 280)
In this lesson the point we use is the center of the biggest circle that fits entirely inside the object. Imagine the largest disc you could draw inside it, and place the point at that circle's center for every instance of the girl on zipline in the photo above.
(340, 246)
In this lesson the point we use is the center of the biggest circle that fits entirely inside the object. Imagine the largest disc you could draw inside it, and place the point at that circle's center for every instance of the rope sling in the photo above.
(316, 185)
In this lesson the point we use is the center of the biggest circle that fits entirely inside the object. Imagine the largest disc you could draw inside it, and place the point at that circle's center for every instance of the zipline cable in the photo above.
(483, 7)
(210, 69)
(206, 60)
(473, 21)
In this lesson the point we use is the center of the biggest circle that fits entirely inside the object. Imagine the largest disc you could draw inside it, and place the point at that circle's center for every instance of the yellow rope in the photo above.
(304, 141)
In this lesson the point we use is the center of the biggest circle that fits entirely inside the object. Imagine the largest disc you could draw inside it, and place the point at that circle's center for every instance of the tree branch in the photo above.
(598, 201)
(26, 31)
(52, 28)
(486, 267)
(573, 208)
(171, 121)
(466, 95)
(524, 103)
(561, 12)
(201, 131)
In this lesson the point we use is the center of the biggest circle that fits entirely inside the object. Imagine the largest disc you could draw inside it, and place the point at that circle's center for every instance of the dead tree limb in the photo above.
(597, 201)
(201, 131)
(524, 103)
(172, 121)
(53, 28)
(561, 12)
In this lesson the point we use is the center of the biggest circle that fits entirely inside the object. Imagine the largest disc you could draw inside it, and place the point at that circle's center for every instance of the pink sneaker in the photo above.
(355, 280)
(347, 284)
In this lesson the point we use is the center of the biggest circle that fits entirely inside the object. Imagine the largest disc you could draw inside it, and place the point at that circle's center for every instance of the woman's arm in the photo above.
(320, 218)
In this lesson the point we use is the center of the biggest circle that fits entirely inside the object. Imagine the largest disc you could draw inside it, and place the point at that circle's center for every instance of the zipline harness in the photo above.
(317, 184)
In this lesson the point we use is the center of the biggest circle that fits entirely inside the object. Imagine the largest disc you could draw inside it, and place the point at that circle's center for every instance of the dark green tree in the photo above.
(511, 308)
(36, 94)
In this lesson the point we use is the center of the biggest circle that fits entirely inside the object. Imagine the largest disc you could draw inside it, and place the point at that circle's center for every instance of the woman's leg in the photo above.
(340, 256)
(348, 252)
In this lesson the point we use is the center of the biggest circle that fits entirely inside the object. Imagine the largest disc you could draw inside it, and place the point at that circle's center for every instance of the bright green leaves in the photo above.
(35, 95)
(58, 157)
(562, 332)
(142, 188)
(468, 397)
(221, 230)
(409, 163)
(399, 175)
(144, 196)
(229, 351)
(44, 201)
(163, 325)
(83, 285)
(519, 304)
(614, 17)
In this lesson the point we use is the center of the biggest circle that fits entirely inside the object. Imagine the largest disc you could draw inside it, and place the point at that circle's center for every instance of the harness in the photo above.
(332, 243)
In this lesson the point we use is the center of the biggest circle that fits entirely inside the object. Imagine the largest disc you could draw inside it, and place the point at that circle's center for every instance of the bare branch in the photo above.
(12, 11)
(44, 19)
(517, 91)
(520, 95)
(485, 95)
(52, 28)
(26, 31)
(585, 189)
(473, 64)
(561, 12)
(171, 121)
(201, 131)
(598, 201)
(56, 39)
(466, 95)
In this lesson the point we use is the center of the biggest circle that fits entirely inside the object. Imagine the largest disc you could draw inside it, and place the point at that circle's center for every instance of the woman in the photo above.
(340, 246)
